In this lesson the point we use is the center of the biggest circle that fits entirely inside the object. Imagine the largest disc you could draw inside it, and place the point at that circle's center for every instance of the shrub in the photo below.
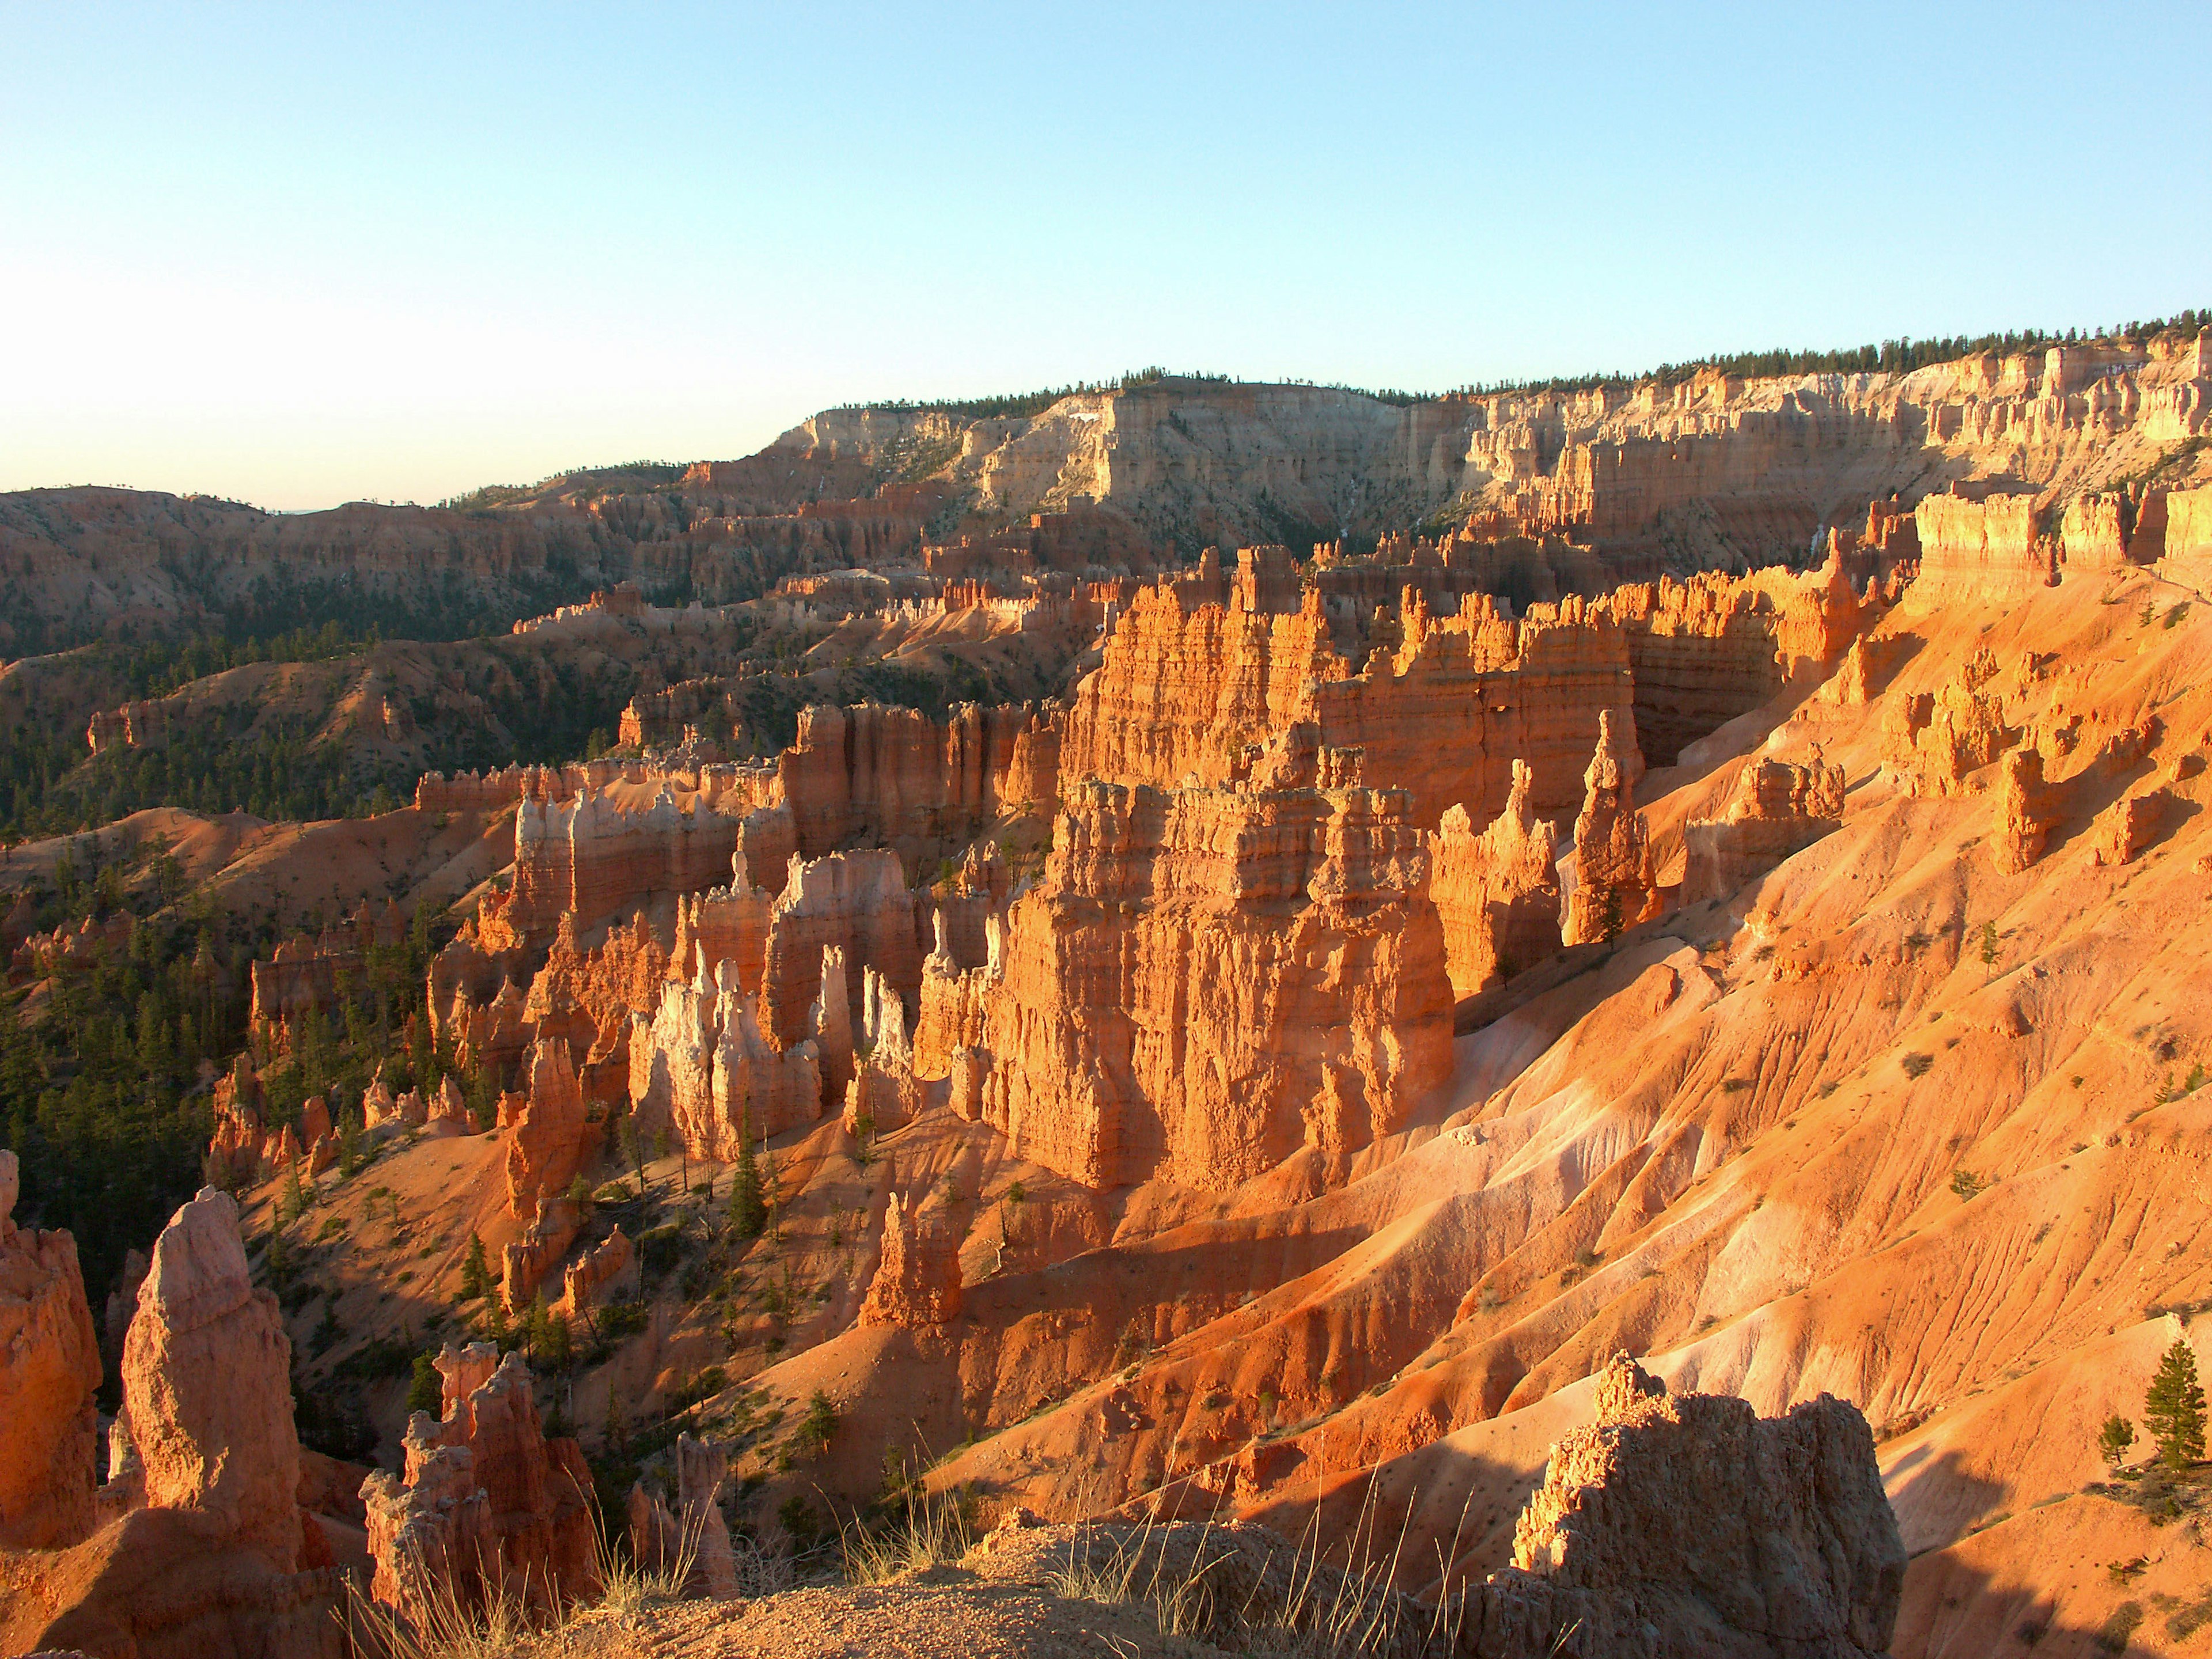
(1915, 1064)
(797, 1517)
(1967, 1184)
(2114, 1439)
(661, 1249)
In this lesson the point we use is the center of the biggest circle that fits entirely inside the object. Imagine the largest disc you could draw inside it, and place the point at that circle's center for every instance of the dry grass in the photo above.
(933, 1531)
(506, 1618)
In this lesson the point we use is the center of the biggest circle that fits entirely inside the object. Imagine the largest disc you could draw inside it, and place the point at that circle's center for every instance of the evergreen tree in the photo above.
(2173, 1407)
(2114, 1439)
(821, 1421)
(748, 1212)
(426, 1392)
(475, 1273)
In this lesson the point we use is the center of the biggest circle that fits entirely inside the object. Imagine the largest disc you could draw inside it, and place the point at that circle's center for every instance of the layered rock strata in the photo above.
(1209, 978)
(1774, 808)
(1496, 894)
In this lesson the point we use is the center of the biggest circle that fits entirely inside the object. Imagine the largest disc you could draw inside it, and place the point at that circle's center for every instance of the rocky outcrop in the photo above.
(605, 1267)
(2027, 810)
(894, 778)
(917, 1278)
(550, 1140)
(703, 1066)
(1496, 893)
(951, 1000)
(49, 1368)
(485, 1502)
(1209, 978)
(1933, 741)
(1191, 692)
(694, 1536)
(1795, 1549)
(591, 855)
(207, 1386)
(1615, 884)
(525, 1263)
(1775, 809)
(855, 901)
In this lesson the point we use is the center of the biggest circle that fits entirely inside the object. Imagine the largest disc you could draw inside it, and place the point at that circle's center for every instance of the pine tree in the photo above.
(426, 1393)
(821, 1421)
(475, 1273)
(2114, 1439)
(292, 1202)
(2173, 1407)
(748, 1213)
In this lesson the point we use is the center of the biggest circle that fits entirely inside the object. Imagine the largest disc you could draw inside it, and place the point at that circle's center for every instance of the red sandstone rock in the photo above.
(524, 1264)
(608, 1265)
(1496, 893)
(917, 1278)
(1209, 978)
(2027, 810)
(2127, 826)
(660, 1539)
(856, 902)
(548, 1146)
(1775, 809)
(1615, 885)
(485, 1500)
(951, 1013)
(207, 1385)
(703, 1066)
(449, 1111)
(49, 1368)
(1795, 1548)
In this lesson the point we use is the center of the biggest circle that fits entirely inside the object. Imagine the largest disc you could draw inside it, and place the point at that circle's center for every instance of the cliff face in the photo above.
(1707, 473)
(1209, 978)
(49, 1368)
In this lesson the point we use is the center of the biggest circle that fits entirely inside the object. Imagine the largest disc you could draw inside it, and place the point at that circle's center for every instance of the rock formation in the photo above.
(703, 1066)
(695, 1534)
(524, 1264)
(1209, 978)
(2027, 811)
(485, 1501)
(207, 1386)
(1496, 893)
(1615, 884)
(917, 1278)
(49, 1368)
(855, 901)
(547, 1148)
(599, 1269)
(1774, 808)
(1795, 1549)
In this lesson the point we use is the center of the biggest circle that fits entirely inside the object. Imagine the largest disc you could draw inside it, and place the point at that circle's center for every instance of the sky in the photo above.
(297, 255)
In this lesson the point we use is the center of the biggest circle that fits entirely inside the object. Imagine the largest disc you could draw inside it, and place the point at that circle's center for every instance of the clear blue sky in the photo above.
(307, 253)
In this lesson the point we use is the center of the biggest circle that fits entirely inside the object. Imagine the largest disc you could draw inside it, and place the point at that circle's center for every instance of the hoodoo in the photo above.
(1170, 974)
